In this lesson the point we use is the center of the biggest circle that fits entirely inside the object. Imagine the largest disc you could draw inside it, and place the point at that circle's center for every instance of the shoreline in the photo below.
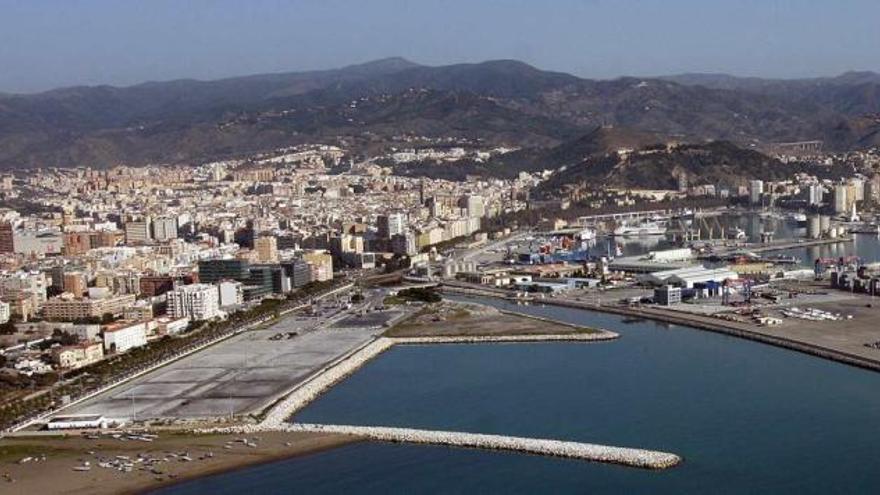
(699, 322)
(208, 455)
(275, 423)
(339, 441)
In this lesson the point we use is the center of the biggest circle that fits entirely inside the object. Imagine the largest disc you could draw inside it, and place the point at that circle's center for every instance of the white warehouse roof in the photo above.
(687, 277)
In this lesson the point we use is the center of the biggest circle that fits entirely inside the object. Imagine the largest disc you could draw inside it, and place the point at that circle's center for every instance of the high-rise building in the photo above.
(75, 283)
(70, 308)
(476, 206)
(856, 189)
(347, 243)
(320, 264)
(138, 232)
(262, 281)
(5, 312)
(104, 239)
(435, 206)
(871, 190)
(841, 199)
(7, 233)
(196, 302)
(298, 271)
(76, 243)
(164, 228)
(404, 244)
(390, 225)
(213, 271)
(231, 293)
(266, 248)
(756, 191)
(815, 194)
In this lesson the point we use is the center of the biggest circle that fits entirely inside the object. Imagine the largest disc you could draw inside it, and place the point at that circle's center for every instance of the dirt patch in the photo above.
(453, 319)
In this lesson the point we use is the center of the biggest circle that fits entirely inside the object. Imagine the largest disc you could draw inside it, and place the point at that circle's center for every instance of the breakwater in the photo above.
(641, 458)
(278, 416)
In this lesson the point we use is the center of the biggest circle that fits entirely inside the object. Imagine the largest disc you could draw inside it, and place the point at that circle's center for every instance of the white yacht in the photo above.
(642, 229)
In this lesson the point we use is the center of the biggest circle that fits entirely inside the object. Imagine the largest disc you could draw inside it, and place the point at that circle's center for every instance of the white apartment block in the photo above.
(124, 336)
(231, 293)
(196, 302)
(164, 228)
(5, 312)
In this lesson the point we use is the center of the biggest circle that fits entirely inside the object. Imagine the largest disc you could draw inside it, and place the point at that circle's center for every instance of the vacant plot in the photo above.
(453, 319)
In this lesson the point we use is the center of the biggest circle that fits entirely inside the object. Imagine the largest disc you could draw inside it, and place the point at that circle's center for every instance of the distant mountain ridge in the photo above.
(501, 102)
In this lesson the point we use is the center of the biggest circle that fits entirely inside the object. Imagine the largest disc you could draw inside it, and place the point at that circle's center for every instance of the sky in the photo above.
(52, 43)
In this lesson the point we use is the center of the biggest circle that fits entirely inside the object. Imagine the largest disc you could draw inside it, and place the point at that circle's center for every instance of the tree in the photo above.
(420, 294)
(64, 338)
(7, 328)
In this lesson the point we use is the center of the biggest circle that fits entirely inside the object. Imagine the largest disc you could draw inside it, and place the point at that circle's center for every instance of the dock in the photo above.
(778, 246)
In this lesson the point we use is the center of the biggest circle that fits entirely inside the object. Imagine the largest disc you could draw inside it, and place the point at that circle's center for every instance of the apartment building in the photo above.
(196, 302)
(121, 337)
(66, 307)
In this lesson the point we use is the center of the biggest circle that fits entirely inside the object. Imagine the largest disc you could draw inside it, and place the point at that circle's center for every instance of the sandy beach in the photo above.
(188, 456)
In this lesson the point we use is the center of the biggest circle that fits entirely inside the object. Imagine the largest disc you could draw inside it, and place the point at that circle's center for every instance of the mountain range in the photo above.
(552, 117)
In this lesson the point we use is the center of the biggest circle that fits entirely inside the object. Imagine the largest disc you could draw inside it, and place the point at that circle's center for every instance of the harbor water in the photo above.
(746, 417)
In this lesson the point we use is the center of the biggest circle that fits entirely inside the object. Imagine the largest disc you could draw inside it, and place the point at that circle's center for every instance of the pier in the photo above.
(640, 458)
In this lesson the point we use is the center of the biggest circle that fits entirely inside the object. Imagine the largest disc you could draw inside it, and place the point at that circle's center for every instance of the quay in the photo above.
(781, 246)
(691, 320)
(778, 246)
(640, 458)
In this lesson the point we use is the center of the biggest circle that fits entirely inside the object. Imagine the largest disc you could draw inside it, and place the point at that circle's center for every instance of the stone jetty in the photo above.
(646, 459)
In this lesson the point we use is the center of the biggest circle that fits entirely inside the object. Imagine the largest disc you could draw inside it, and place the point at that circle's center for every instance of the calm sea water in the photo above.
(747, 418)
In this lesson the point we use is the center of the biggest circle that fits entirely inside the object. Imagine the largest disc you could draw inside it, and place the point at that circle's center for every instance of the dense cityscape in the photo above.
(588, 247)
(101, 262)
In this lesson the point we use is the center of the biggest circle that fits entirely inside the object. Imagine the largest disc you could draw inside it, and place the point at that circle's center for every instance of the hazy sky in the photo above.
(46, 43)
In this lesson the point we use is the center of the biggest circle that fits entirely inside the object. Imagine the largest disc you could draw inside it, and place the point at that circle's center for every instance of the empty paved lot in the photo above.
(240, 375)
